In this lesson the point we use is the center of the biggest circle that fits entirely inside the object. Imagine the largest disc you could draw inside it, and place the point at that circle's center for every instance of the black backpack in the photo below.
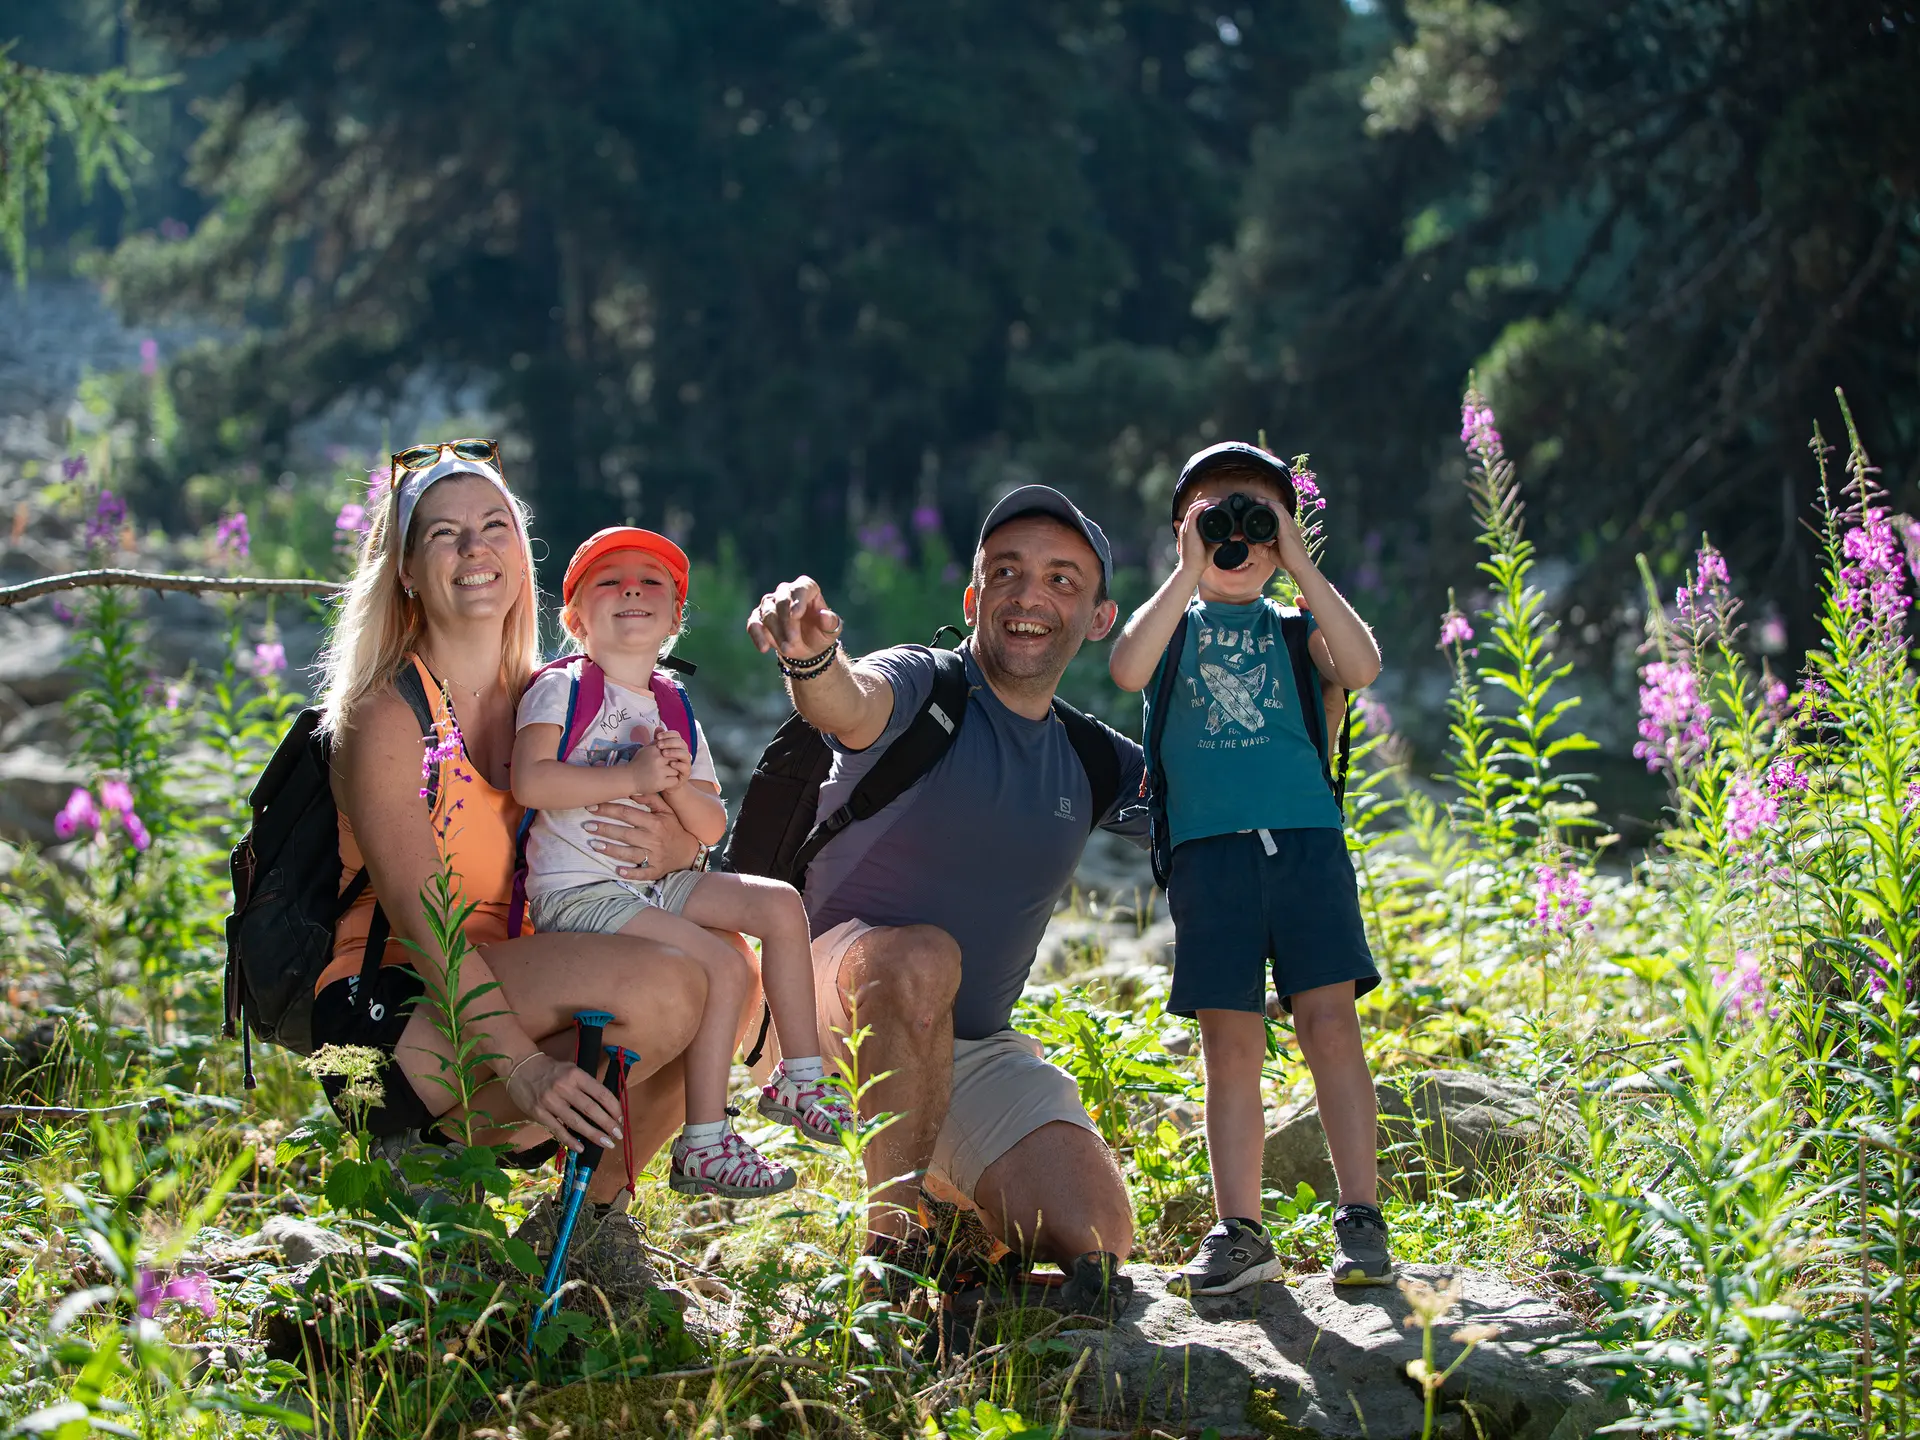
(1306, 682)
(287, 897)
(778, 832)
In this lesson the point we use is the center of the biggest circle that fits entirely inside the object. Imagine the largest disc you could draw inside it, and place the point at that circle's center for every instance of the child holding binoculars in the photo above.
(1249, 842)
(588, 736)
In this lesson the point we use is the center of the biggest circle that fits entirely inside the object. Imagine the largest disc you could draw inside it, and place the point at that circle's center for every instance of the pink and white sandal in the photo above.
(812, 1107)
(729, 1167)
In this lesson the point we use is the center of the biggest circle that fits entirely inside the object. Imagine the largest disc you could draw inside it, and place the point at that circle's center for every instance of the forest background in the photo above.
(805, 284)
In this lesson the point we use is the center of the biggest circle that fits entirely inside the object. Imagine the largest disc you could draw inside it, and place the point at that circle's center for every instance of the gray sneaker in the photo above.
(1360, 1247)
(1233, 1256)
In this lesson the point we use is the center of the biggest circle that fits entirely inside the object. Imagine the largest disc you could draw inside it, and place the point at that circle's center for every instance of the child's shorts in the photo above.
(605, 906)
(1235, 907)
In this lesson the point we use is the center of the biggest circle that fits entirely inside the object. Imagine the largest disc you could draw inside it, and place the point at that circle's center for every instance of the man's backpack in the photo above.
(584, 698)
(1295, 631)
(287, 897)
(778, 830)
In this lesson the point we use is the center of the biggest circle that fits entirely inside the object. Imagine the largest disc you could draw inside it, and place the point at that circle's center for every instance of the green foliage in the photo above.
(36, 105)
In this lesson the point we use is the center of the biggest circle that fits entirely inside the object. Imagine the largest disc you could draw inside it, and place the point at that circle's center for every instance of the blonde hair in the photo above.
(378, 625)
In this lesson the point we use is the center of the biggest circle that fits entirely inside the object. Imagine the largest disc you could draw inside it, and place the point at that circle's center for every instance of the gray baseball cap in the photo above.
(1240, 453)
(1045, 500)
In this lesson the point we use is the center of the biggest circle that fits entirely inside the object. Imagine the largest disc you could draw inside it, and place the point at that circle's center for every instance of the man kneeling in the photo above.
(927, 914)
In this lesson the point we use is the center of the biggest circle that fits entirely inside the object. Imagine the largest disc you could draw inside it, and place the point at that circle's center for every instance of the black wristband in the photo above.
(812, 665)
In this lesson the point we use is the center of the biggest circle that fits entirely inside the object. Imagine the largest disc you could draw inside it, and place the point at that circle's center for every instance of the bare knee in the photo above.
(909, 977)
(729, 973)
(673, 999)
(1325, 1023)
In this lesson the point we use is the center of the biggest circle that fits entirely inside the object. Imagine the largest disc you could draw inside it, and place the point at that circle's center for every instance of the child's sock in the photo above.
(698, 1137)
(805, 1068)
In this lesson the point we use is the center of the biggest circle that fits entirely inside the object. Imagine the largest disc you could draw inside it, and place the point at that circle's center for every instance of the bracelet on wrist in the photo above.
(806, 669)
(518, 1063)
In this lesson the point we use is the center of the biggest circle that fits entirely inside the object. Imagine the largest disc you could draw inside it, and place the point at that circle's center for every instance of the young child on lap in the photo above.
(1259, 861)
(622, 601)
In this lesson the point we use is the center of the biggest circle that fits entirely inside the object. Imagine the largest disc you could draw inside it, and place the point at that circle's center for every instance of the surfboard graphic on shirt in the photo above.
(1234, 696)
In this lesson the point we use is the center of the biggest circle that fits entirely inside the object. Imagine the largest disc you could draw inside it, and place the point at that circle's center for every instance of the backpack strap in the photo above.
(676, 709)
(1296, 631)
(584, 698)
(1160, 847)
(1093, 742)
(915, 751)
(413, 690)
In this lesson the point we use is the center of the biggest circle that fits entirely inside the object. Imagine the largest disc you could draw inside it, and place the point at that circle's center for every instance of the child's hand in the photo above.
(670, 747)
(1289, 547)
(1193, 550)
(652, 771)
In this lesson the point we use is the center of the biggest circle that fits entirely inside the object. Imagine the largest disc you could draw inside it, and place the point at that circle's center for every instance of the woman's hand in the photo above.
(644, 844)
(566, 1100)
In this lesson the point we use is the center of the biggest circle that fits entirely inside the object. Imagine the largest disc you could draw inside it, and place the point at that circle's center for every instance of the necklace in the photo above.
(477, 691)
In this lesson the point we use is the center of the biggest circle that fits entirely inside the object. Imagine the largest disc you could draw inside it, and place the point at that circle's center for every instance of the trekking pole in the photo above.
(589, 1026)
(579, 1177)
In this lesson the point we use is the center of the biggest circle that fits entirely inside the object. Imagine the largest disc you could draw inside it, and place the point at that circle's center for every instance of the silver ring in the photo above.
(646, 858)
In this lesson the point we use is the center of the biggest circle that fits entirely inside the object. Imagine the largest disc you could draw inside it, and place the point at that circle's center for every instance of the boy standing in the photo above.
(1259, 868)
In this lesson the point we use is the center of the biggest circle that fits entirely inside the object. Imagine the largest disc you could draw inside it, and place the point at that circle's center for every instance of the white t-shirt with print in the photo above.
(560, 854)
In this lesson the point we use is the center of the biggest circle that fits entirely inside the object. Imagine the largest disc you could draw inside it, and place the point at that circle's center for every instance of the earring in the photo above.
(409, 590)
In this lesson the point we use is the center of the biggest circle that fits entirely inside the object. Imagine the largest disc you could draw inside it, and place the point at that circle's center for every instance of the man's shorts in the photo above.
(1002, 1090)
(1239, 901)
(605, 906)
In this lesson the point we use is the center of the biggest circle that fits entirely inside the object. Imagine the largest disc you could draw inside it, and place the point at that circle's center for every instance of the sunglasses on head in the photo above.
(423, 457)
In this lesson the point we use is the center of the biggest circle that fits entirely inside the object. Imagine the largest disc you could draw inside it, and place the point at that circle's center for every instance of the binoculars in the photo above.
(1250, 516)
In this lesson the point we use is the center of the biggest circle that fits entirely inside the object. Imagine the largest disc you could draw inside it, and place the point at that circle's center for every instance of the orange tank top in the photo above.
(475, 827)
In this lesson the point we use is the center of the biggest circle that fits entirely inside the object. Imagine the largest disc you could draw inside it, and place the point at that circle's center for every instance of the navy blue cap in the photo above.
(1045, 500)
(1236, 452)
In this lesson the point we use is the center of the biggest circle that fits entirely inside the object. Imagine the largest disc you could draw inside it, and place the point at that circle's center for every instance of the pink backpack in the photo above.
(589, 689)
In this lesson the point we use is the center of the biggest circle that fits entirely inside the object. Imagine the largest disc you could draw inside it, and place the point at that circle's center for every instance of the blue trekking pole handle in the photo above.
(579, 1177)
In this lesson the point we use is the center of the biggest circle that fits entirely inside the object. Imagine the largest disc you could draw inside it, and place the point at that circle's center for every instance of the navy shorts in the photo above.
(1235, 907)
(339, 1019)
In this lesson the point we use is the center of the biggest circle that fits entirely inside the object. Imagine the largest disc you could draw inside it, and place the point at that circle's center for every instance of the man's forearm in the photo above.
(839, 700)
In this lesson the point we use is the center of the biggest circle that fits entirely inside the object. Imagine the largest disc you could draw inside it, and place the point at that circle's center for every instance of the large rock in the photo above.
(1315, 1360)
(1451, 1129)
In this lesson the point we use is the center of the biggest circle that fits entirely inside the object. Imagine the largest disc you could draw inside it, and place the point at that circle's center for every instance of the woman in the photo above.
(444, 590)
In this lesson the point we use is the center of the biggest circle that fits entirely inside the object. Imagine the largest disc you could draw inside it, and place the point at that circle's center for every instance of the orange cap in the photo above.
(626, 537)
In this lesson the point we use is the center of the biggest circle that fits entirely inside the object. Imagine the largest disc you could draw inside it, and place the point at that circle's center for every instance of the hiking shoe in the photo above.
(903, 1265)
(962, 1252)
(1233, 1256)
(607, 1251)
(1360, 1247)
(1094, 1286)
(813, 1107)
(729, 1167)
(427, 1145)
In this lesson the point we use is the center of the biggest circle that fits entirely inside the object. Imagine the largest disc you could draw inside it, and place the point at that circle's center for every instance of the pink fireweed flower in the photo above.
(116, 797)
(269, 657)
(1776, 699)
(450, 745)
(1477, 430)
(151, 1292)
(351, 517)
(1912, 802)
(1744, 986)
(136, 830)
(1306, 486)
(1673, 716)
(230, 538)
(1784, 778)
(1750, 810)
(109, 516)
(1872, 586)
(926, 519)
(1454, 630)
(1560, 900)
(1707, 598)
(78, 812)
(73, 467)
(1373, 715)
(149, 356)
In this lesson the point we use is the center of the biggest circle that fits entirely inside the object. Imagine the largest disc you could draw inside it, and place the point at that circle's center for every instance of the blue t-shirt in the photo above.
(982, 846)
(1236, 752)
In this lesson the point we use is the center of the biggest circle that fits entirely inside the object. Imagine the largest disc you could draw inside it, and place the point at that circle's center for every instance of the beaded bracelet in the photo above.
(811, 666)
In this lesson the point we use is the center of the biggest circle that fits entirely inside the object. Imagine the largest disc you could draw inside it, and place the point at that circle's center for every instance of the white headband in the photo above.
(418, 482)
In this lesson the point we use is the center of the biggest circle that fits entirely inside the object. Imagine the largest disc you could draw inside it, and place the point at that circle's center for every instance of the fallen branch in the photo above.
(744, 1362)
(148, 580)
